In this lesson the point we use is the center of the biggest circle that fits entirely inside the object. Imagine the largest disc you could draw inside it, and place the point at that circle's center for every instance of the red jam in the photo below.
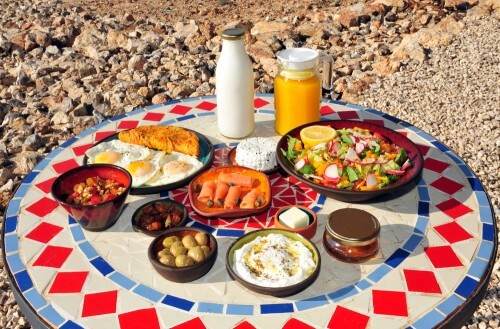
(352, 235)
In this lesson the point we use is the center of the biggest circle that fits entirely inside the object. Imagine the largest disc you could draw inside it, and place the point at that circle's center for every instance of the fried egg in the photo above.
(143, 170)
(176, 167)
(117, 152)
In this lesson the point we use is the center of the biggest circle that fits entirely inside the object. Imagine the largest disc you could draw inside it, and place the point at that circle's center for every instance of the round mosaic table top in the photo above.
(437, 245)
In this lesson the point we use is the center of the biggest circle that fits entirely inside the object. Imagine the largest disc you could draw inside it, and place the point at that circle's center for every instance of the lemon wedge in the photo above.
(313, 135)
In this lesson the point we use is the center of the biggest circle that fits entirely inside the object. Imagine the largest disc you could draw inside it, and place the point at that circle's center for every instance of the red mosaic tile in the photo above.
(348, 115)
(404, 133)
(144, 319)
(99, 136)
(152, 116)
(80, 150)
(296, 324)
(453, 208)
(100, 303)
(389, 302)
(44, 232)
(442, 256)
(127, 124)
(63, 166)
(42, 207)
(375, 121)
(423, 149)
(53, 256)
(325, 110)
(453, 232)
(259, 102)
(45, 186)
(207, 106)
(68, 282)
(446, 185)
(343, 318)
(195, 323)
(435, 165)
(244, 325)
(421, 281)
(180, 109)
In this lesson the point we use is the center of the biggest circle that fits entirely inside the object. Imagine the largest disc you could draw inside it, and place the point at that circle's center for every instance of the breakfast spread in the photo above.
(274, 260)
(348, 158)
(258, 153)
(185, 251)
(94, 190)
(159, 216)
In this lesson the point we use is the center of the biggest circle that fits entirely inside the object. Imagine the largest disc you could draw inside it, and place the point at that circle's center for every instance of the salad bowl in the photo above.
(413, 168)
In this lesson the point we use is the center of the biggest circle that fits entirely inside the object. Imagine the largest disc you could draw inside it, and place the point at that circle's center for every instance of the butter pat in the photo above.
(294, 218)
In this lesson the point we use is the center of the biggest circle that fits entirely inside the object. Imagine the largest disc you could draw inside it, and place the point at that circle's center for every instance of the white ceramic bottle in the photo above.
(234, 86)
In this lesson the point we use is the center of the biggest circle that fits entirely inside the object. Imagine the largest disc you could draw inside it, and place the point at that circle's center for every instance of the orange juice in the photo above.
(297, 95)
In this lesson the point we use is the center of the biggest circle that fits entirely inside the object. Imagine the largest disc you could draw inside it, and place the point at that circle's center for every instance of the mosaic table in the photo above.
(438, 244)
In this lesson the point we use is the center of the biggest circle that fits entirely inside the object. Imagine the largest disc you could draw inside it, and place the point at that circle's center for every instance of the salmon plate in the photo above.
(231, 191)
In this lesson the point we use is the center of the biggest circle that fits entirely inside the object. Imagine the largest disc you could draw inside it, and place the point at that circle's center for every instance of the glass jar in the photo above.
(352, 235)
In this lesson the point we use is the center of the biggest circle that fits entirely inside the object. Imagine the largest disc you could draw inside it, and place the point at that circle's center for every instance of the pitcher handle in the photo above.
(327, 74)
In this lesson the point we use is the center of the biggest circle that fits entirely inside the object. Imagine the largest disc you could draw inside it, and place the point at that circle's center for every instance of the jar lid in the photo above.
(353, 227)
(232, 34)
(298, 58)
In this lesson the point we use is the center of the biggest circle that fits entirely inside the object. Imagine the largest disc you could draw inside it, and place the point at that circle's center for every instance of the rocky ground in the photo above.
(64, 65)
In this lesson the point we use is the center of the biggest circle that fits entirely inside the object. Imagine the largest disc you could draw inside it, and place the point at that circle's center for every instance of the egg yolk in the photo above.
(107, 157)
(175, 167)
(140, 168)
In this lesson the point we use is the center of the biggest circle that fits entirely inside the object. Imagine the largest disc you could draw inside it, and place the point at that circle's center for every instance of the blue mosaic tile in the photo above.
(430, 320)
(450, 304)
(10, 224)
(77, 233)
(68, 142)
(54, 153)
(118, 117)
(51, 315)
(186, 117)
(209, 97)
(423, 193)
(42, 164)
(15, 263)
(23, 280)
(454, 157)
(31, 176)
(423, 209)
(35, 299)
(102, 266)
(363, 284)
(475, 184)
(488, 232)
(149, 293)
(11, 243)
(478, 268)
(421, 225)
(390, 118)
(426, 136)
(412, 242)
(355, 106)
(101, 125)
(466, 287)
(70, 325)
(205, 114)
(86, 133)
(276, 308)
(135, 112)
(485, 250)
(266, 111)
(482, 199)
(421, 182)
(220, 146)
(321, 199)
(316, 208)
(440, 146)
(210, 308)
(485, 215)
(230, 233)
(313, 302)
(153, 107)
(376, 112)
(233, 144)
(465, 169)
(340, 294)
(122, 280)
(72, 221)
(174, 101)
(203, 226)
(338, 102)
(13, 207)
(177, 302)
(379, 273)
(397, 258)
(168, 122)
(22, 190)
(88, 250)
(236, 309)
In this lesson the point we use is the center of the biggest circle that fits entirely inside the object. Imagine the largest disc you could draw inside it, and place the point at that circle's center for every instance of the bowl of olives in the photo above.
(183, 254)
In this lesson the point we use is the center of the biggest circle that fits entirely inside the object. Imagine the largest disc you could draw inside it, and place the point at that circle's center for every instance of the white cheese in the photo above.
(258, 153)
(294, 218)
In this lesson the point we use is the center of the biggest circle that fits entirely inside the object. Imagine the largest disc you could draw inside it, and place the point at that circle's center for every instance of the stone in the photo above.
(348, 19)
(160, 98)
(32, 143)
(136, 62)
(5, 175)
(185, 30)
(89, 43)
(265, 28)
(386, 66)
(459, 4)
(60, 118)
(116, 39)
(391, 3)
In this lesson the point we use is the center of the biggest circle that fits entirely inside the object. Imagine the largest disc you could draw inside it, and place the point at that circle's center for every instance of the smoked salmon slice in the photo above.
(237, 179)
(232, 197)
(252, 199)
(207, 191)
(221, 190)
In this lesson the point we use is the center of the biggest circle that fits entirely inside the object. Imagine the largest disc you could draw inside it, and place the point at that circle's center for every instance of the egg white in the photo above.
(117, 152)
(176, 166)
(143, 170)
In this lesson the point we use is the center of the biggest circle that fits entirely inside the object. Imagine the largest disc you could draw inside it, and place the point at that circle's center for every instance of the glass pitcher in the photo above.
(298, 86)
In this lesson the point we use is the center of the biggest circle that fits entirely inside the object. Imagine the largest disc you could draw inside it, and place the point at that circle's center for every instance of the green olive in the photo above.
(168, 241)
(197, 254)
(206, 250)
(167, 260)
(175, 245)
(183, 260)
(201, 239)
(176, 251)
(189, 242)
(163, 252)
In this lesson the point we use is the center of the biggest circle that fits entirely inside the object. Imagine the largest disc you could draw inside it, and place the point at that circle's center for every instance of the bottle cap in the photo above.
(298, 58)
(353, 227)
(232, 34)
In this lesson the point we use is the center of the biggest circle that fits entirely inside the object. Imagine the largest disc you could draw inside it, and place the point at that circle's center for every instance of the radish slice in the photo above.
(380, 137)
(330, 146)
(353, 140)
(371, 180)
(299, 164)
(319, 146)
(351, 155)
(395, 172)
(359, 148)
(332, 173)
(406, 165)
